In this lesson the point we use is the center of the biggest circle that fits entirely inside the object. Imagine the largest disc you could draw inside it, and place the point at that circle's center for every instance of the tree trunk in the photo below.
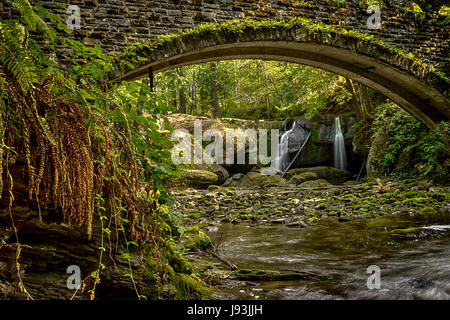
(364, 108)
(182, 108)
(268, 111)
(182, 98)
(355, 102)
(365, 102)
(215, 99)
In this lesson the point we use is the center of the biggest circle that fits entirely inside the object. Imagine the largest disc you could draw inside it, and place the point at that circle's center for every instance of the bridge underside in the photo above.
(421, 100)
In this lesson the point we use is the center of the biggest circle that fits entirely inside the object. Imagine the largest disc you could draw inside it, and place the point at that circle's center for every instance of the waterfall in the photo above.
(281, 160)
(340, 160)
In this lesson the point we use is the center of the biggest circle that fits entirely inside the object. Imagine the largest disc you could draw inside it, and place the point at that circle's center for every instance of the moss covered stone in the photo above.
(199, 178)
(302, 177)
(194, 239)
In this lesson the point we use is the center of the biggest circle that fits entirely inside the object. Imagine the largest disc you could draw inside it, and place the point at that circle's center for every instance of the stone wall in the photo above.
(116, 24)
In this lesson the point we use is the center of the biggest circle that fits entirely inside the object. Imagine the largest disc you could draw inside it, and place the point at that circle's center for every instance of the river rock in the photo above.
(194, 239)
(199, 178)
(297, 223)
(274, 181)
(253, 179)
(237, 176)
(302, 177)
(270, 275)
(227, 182)
(222, 174)
(333, 175)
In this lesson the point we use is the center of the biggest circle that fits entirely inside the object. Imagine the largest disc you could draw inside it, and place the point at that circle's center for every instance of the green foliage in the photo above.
(15, 56)
(445, 13)
(410, 148)
(93, 148)
(254, 89)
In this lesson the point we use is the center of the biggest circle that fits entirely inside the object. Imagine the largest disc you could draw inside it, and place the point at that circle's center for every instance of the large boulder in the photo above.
(376, 156)
(256, 179)
(222, 174)
(199, 178)
(333, 175)
(274, 181)
(253, 179)
(302, 177)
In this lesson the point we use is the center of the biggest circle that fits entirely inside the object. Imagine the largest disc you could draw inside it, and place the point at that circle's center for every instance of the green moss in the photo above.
(318, 32)
(410, 194)
(269, 275)
(187, 286)
(194, 238)
(427, 209)
(169, 275)
(407, 230)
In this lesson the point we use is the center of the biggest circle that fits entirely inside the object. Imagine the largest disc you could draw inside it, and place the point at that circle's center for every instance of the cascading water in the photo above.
(281, 160)
(340, 159)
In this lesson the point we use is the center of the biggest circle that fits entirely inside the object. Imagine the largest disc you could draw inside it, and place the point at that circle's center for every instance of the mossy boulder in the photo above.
(274, 181)
(194, 239)
(333, 175)
(375, 159)
(253, 179)
(199, 178)
(302, 177)
(315, 183)
(256, 179)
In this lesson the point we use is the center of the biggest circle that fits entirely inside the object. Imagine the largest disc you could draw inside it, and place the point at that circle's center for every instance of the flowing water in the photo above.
(281, 160)
(413, 266)
(340, 158)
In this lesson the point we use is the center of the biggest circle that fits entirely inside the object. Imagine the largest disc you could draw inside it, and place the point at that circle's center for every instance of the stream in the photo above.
(414, 265)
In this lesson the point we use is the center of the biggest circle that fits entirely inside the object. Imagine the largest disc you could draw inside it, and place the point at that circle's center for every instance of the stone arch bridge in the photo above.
(412, 84)
(329, 34)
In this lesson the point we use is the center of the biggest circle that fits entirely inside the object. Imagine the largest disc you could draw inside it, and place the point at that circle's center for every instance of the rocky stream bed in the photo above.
(276, 240)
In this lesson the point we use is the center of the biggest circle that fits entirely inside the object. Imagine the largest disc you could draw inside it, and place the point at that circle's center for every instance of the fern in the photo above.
(33, 21)
(14, 56)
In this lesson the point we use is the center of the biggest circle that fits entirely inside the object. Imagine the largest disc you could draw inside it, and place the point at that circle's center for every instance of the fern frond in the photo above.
(14, 57)
(28, 13)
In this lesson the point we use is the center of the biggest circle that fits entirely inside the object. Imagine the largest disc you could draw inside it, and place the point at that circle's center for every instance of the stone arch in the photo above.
(405, 79)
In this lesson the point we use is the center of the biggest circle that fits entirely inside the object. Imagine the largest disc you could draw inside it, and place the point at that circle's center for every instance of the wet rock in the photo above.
(296, 224)
(270, 275)
(278, 221)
